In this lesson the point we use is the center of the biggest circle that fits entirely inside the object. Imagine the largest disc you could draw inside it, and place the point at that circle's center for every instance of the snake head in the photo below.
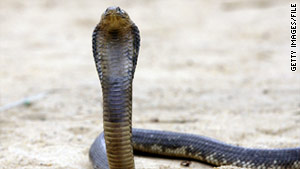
(115, 18)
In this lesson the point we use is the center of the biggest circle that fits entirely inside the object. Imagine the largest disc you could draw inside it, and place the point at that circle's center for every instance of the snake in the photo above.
(116, 43)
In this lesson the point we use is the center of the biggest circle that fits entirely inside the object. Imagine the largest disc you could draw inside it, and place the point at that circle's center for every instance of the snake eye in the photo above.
(118, 9)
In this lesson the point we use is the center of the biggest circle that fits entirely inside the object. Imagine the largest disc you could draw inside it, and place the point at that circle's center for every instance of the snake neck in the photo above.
(117, 105)
(117, 100)
(116, 80)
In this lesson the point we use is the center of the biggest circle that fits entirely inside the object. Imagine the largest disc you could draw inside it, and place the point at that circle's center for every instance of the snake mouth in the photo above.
(115, 18)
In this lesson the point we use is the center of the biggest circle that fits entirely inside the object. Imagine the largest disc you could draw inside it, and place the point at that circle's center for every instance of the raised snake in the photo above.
(116, 43)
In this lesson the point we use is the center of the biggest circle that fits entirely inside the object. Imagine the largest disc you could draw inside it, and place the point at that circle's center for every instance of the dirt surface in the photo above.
(215, 68)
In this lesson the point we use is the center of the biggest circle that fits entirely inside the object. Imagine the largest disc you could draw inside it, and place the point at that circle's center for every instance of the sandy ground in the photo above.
(215, 68)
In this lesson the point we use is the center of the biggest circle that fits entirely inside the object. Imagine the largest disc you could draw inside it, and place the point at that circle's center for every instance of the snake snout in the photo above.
(116, 11)
(113, 8)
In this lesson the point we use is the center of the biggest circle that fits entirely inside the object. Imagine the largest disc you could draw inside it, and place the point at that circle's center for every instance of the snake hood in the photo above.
(116, 44)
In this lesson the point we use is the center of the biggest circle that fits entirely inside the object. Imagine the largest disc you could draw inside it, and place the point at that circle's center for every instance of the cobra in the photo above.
(116, 43)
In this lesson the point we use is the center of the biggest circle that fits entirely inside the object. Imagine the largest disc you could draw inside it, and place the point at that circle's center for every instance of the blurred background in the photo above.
(215, 68)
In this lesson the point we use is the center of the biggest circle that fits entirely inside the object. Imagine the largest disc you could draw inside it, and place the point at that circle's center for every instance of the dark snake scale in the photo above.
(116, 44)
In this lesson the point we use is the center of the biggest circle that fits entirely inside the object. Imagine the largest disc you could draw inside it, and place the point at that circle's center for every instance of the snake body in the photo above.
(116, 44)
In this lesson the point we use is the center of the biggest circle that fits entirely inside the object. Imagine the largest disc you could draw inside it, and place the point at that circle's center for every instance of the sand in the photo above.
(215, 68)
